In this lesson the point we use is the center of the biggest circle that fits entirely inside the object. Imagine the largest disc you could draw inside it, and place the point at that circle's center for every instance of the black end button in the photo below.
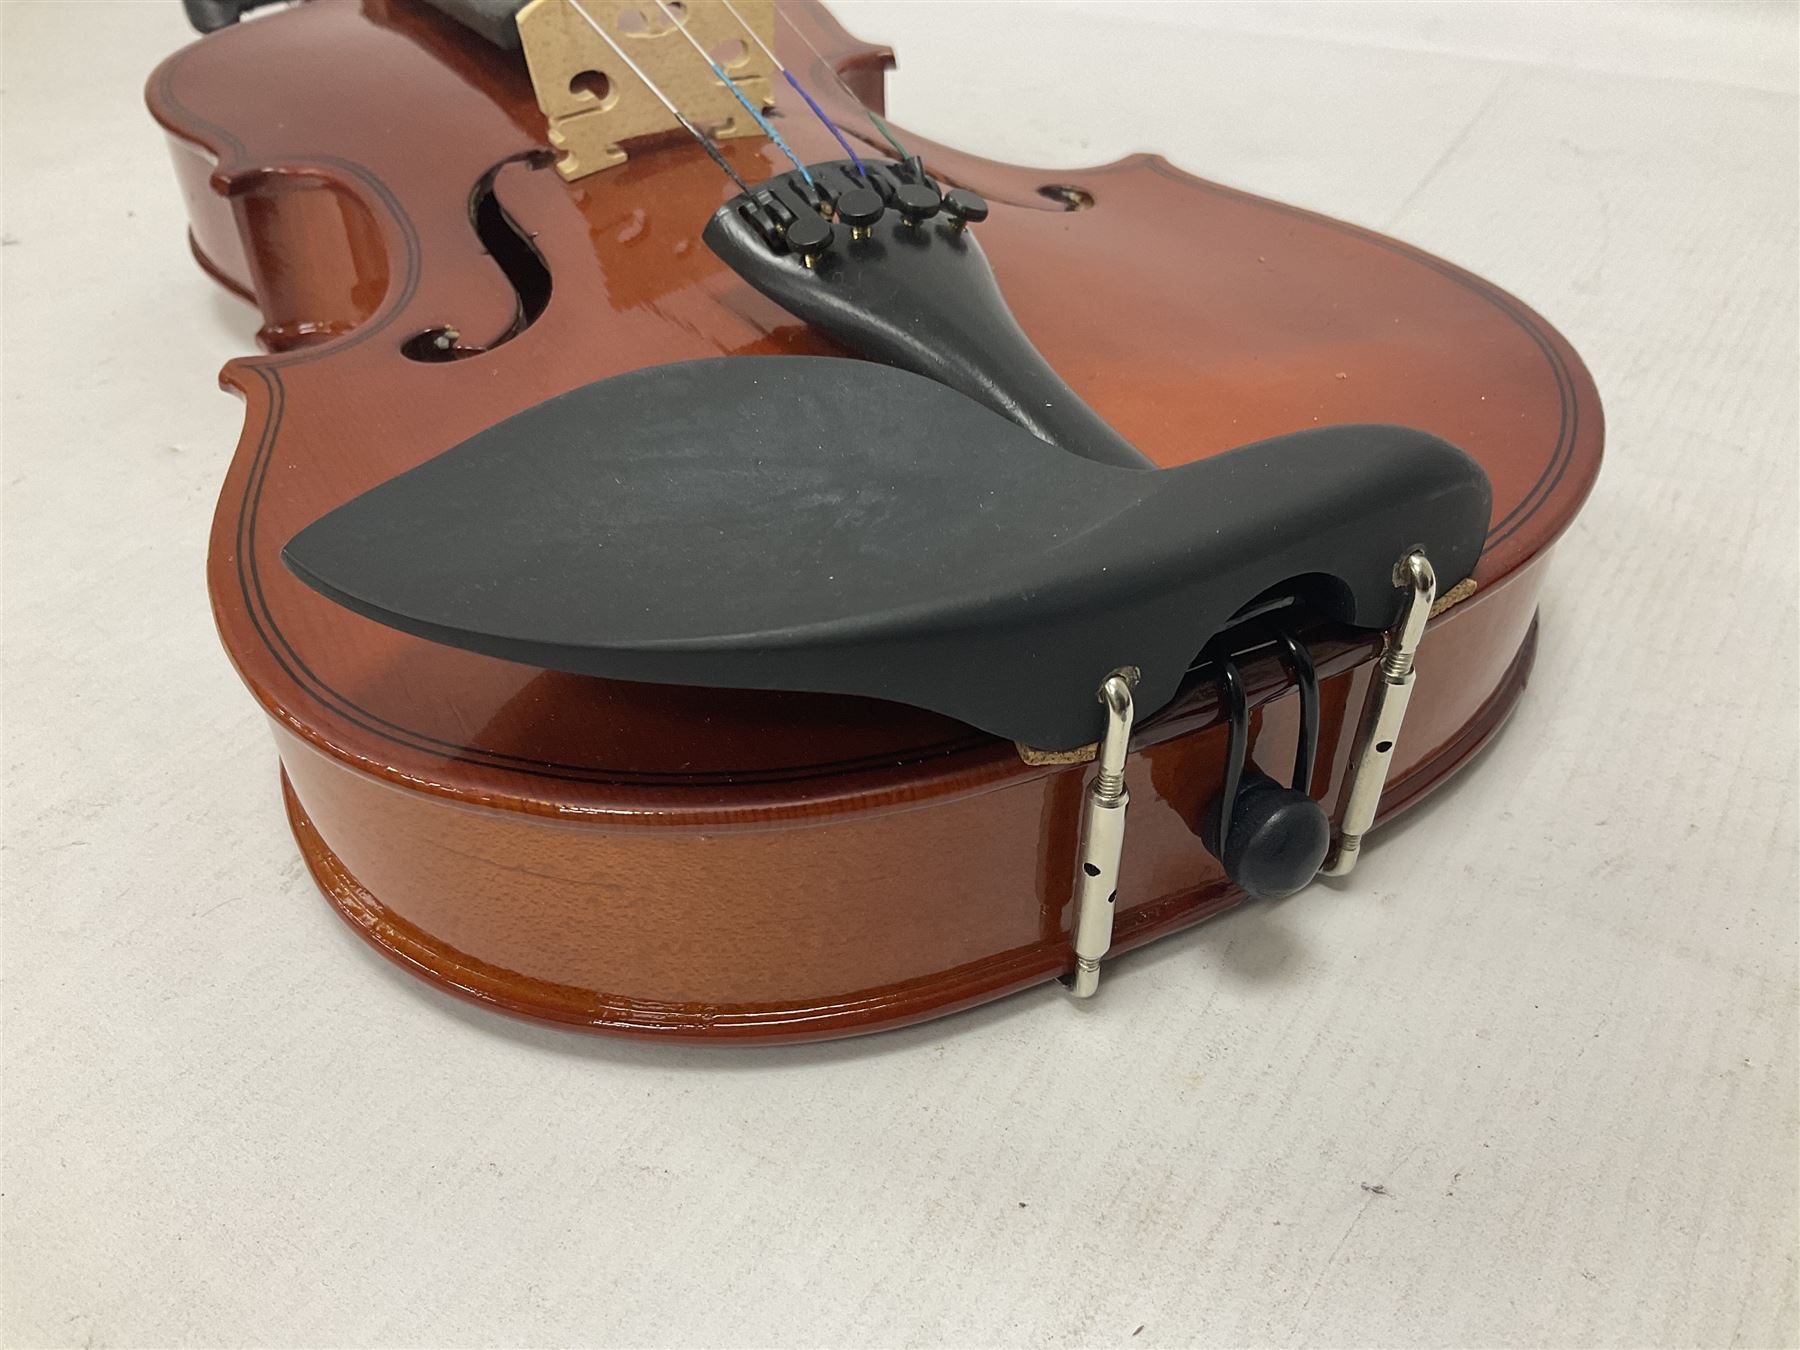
(860, 208)
(808, 237)
(1278, 839)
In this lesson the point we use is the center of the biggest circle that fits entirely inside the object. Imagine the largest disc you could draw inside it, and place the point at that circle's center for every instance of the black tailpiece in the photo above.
(898, 278)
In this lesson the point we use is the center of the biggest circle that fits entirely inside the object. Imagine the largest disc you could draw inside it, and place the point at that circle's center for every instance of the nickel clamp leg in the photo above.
(1102, 841)
(1389, 693)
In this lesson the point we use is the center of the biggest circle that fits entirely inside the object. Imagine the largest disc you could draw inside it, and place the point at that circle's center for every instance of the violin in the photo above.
(720, 566)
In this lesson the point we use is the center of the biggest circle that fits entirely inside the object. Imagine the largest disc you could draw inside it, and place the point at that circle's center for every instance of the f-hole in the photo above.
(518, 260)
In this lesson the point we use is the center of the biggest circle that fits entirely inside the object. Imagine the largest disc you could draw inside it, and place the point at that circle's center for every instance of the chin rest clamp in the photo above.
(1102, 842)
(1271, 840)
(1385, 710)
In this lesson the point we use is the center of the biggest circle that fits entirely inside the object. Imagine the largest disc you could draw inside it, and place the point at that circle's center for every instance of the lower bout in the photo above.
(849, 924)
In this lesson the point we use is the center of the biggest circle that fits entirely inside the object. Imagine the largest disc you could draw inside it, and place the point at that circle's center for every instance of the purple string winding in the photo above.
(829, 124)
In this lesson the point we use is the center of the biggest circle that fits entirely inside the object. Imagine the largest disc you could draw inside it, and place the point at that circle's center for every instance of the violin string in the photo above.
(706, 143)
(818, 112)
(887, 132)
(731, 84)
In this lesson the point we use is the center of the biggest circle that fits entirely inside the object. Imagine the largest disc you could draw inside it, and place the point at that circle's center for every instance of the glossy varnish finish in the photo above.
(718, 863)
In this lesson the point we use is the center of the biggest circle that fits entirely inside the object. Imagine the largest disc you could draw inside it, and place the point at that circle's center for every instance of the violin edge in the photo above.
(851, 1013)
(908, 909)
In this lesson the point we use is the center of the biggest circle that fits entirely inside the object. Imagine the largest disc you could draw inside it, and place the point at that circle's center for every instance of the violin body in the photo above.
(754, 864)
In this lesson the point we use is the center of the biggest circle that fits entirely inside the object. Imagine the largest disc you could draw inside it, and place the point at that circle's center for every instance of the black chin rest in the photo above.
(829, 525)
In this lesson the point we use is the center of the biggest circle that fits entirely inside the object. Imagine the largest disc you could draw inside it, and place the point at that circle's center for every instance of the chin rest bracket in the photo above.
(1271, 840)
(1389, 693)
(1102, 843)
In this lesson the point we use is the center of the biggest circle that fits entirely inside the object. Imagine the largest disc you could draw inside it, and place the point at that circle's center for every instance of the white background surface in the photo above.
(1553, 1018)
